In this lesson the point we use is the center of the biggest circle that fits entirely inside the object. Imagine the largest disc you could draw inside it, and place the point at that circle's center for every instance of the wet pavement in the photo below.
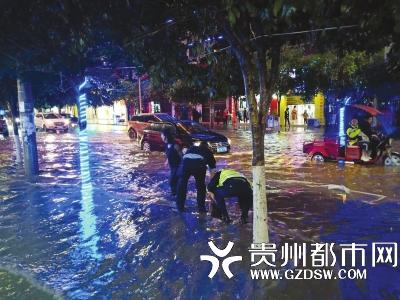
(100, 223)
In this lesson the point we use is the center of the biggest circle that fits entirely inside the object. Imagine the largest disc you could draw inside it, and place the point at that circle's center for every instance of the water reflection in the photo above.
(56, 233)
(86, 215)
(89, 233)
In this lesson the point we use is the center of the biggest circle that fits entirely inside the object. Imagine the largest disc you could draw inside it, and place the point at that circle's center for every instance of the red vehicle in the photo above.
(331, 149)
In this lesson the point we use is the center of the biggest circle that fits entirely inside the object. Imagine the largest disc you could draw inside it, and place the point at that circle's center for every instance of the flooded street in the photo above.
(100, 223)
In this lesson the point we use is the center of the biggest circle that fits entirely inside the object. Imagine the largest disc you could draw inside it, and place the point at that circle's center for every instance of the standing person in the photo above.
(225, 117)
(294, 113)
(305, 117)
(184, 113)
(195, 163)
(239, 116)
(217, 119)
(195, 115)
(229, 183)
(174, 157)
(245, 116)
(287, 119)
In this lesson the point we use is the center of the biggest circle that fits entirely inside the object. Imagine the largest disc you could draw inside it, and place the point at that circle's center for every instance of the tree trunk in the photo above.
(260, 211)
(28, 130)
(12, 106)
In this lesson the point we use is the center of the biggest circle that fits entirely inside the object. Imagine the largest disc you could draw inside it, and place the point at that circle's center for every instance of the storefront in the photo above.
(115, 114)
(299, 110)
(70, 109)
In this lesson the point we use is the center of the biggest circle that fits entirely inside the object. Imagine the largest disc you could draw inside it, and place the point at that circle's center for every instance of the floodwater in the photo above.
(99, 222)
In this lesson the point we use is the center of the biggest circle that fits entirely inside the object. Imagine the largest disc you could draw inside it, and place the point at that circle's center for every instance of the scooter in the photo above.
(331, 150)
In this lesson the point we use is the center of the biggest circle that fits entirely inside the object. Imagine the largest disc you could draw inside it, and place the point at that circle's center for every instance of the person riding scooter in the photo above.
(366, 127)
(357, 137)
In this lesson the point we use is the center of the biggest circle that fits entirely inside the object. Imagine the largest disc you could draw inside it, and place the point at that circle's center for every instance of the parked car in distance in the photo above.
(139, 122)
(3, 127)
(51, 122)
(73, 121)
(186, 133)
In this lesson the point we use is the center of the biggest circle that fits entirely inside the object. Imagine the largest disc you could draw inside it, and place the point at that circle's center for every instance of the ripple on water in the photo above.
(147, 250)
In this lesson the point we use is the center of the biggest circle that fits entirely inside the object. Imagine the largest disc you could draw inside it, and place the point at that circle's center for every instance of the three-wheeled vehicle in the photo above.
(330, 149)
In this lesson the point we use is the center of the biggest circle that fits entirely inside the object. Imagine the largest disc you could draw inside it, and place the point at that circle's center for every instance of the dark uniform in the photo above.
(287, 119)
(230, 183)
(174, 156)
(194, 164)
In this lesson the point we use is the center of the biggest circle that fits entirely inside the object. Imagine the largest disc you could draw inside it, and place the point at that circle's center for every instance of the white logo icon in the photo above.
(215, 261)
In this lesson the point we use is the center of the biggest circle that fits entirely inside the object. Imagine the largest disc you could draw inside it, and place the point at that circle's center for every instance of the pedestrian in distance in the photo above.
(245, 116)
(305, 117)
(287, 118)
(217, 117)
(196, 115)
(174, 158)
(195, 162)
(225, 117)
(239, 116)
(228, 183)
(294, 113)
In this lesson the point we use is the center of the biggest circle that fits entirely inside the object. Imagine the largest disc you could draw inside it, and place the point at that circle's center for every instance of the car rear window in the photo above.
(148, 118)
(169, 127)
(166, 118)
(160, 127)
(135, 118)
(51, 116)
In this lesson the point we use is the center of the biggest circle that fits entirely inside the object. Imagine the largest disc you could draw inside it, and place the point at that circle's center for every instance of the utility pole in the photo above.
(140, 95)
(28, 129)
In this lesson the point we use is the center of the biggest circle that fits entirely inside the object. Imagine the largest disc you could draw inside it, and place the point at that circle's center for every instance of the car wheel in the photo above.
(132, 134)
(146, 146)
(318, 157)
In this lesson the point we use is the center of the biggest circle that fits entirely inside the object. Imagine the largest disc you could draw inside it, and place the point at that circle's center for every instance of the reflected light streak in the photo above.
(342, 135)
(87, 217)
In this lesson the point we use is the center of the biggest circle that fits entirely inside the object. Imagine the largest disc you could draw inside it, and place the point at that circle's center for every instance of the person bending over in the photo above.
(228, 183)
